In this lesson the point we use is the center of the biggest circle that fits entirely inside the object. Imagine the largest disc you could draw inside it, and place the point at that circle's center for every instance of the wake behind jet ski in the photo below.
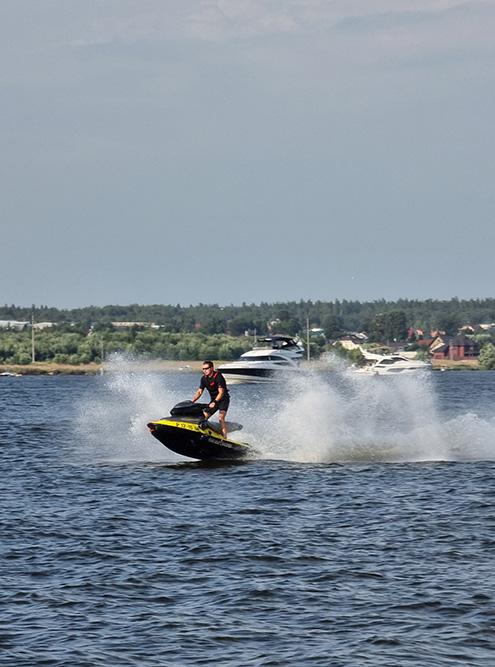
(186, 432)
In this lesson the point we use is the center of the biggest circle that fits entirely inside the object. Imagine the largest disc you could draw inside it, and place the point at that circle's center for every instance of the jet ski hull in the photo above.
(188, 438)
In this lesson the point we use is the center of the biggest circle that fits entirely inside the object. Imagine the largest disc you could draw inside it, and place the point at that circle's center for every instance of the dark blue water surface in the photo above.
(363, 535)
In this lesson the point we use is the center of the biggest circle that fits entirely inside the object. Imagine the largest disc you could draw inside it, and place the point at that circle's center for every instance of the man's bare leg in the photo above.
(223, 425)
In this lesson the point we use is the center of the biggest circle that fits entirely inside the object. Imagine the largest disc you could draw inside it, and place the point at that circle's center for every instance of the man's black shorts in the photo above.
(221, 405)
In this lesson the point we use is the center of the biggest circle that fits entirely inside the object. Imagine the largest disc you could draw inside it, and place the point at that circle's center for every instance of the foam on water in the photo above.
(318, 417)
(344, 417)
(112, 423)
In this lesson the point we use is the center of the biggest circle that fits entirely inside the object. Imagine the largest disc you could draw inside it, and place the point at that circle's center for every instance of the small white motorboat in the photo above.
(269, 360)
(394, 364)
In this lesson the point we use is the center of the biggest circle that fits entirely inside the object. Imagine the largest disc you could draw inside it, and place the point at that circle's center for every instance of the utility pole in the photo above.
(307, 338)
(33, 355)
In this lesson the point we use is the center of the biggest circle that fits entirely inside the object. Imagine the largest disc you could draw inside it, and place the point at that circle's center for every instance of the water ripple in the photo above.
(108, 558)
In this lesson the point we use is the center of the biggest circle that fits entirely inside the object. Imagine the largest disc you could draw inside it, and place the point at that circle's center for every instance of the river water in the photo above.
(363, 535)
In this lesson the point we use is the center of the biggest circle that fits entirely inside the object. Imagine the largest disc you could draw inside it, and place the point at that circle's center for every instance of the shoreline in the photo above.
(48, 368)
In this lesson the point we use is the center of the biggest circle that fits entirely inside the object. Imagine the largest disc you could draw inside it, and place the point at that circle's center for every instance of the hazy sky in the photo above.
(222, 151)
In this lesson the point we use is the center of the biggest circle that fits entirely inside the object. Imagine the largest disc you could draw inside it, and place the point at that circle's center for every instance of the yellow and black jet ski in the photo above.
(186, 432)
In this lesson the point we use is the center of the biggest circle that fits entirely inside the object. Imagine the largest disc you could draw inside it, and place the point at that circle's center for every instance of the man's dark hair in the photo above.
(208, 363)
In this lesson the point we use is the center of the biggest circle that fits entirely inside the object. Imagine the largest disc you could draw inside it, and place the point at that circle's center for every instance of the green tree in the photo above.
(351, 356)
(214, 325)
(331, 326)
(422, 353)
(450, 322)
(486, 359)
(389, 327)
(238, 325)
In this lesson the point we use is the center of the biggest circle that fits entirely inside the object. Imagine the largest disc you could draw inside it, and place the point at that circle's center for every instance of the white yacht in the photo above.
(270, 359)
(395, 364)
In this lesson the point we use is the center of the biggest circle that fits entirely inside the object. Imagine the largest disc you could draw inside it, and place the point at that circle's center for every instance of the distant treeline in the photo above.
(90, 335)
(291, 318)
(61, 345)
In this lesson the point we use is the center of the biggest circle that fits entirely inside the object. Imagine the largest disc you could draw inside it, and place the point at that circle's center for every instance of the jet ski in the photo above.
(186, 432)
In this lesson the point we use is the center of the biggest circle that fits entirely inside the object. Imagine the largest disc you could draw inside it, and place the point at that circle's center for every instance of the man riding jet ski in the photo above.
(186, 432)
(215, 383)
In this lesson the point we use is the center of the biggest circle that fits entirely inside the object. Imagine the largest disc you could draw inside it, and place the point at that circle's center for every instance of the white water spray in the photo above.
(112, 421)
(341, 416)
(320, 417)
